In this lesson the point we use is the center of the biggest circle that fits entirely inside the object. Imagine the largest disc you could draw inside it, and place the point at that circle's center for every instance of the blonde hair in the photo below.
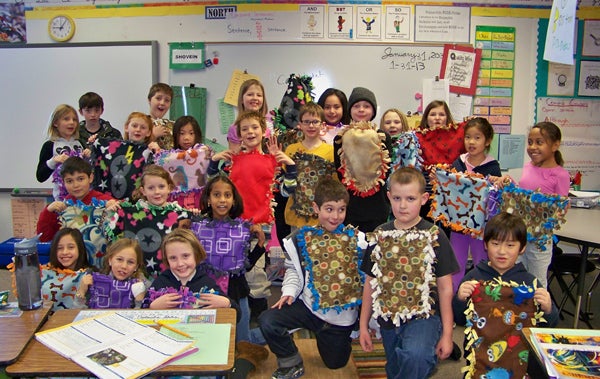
(152, 170)
(119, 245)
(403, 119)
(183, 236)
(59, 112)
(146, 119)
(244, 88)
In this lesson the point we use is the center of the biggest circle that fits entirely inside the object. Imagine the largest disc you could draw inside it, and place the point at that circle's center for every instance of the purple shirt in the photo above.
(555, 180)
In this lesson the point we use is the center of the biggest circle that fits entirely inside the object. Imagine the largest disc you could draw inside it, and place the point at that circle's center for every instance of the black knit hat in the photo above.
(361, 93)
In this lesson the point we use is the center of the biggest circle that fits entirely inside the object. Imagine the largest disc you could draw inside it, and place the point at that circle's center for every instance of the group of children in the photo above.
(354, 222)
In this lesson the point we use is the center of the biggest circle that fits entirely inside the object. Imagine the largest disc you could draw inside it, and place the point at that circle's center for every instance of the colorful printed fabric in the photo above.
(59, 191)
(541, 213)
(189, 200)
(403, 267)
(187, 167)
(441, 145)
(147, 224)
(88, 220)
(253, 174)
(406, 151)
(298, 92)
(188, 300)
(60, 286)
(310, 168)
(118, 166)
(108, 292)
(364, 162)
(496, 313)
(331, 260)
(459, 201)
(165, 141)
(226, 243)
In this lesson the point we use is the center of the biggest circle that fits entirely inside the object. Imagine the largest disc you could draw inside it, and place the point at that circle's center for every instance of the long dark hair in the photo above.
(551, 133)
(343, 99)
(238, 206)
(430, 106)
(82, 259)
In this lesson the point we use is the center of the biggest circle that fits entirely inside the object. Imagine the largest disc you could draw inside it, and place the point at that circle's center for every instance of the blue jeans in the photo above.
(410, 348)
(243, 331)
(333, 341)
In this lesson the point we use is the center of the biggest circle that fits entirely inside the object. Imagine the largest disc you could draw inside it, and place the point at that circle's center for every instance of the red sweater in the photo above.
(48, 223)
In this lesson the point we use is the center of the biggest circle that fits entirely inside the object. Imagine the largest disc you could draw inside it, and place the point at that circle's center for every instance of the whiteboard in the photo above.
(36, 78)
(394, 72)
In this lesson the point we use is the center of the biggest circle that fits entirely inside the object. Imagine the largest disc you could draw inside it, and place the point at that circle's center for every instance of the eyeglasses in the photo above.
(311, 122)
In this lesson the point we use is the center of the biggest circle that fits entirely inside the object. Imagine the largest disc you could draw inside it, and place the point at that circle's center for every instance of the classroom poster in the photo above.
(591, 38)
(442, 24)
(340, 22)
(561, 29)
(398, 22)
(589, 78)
(460, 65)
(12, 27)
(494, 93)
(368, 22)
(312, 21)
(561, 79)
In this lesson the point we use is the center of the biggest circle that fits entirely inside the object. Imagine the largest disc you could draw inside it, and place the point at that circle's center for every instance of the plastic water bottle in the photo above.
(27, 272)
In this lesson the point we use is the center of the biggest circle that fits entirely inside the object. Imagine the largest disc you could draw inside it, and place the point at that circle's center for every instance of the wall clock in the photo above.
(61, 28)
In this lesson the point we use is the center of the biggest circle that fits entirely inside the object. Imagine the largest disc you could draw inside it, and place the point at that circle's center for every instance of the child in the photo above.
(394, 122)
(368, 206)
(120, 283)
(222, 206)
(91, 107)
(478, 138)
(63, 142)
(306, 301)
(78, 177)
(314, 154)
(419, 332)
(139, 128)
(160, 96)
(186, 133)
(251, 98)
(335, 105)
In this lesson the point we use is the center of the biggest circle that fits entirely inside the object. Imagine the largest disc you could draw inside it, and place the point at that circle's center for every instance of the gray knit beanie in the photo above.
(361, 93)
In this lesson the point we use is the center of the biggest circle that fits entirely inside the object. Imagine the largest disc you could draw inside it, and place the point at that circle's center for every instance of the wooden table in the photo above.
(17, 331)
(581, 229)
(38, 360)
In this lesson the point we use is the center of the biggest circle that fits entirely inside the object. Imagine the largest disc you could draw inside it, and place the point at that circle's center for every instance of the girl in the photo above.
(394, 122)
(121, 282)
(335, 104)
(251, 98)
(63, 141)
(223, 206)
(138, 128)
(478, 138)
(186, 133)
(181, 285)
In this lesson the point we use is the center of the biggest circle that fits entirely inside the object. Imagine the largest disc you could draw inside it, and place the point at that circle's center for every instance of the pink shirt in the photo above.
(555, 180)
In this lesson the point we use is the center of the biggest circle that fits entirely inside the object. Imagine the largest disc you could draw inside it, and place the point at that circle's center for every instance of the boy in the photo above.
(505, 238)
(419, 332)
(78, 177)
(159, 99)
(91, 107)
(317, 156)
(321, 303)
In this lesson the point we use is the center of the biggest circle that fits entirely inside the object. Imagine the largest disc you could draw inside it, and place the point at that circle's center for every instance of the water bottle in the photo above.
(27, 272)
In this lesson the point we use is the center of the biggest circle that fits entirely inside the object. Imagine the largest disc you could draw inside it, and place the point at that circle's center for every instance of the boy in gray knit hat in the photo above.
(362, 104)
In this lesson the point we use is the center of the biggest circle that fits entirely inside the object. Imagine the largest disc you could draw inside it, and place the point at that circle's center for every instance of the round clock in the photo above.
(61, 28)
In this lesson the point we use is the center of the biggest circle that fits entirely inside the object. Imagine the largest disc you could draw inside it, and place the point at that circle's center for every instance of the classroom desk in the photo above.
(581, 228)
(17, 331)
(38, 360)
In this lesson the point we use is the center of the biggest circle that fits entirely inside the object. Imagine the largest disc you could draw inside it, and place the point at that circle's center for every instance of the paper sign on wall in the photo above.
(186, 55)
(233, 89)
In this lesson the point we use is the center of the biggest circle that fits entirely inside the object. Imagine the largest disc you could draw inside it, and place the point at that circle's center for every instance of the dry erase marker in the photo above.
(164, 325)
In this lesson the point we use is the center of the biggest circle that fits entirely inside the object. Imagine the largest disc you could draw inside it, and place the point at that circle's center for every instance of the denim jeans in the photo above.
(333, 341)
(410, 348)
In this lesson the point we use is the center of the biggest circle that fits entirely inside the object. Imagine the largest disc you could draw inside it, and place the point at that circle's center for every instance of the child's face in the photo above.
(311, 126)
(333, 110)
(180, 257)
(78, 184)
(437, 117)
(406, 201)
(503, 255)
(91, 114)
(138, 129)
(253, 98)
(159, 104)
(361, 111)
(221, 200)
(156, 190)
(392, 123)
(540, 150)
(123, 263)
(251, 134)
(67, 252)
(475, 142)
(67, 125)
(186, 137)
(331, 214)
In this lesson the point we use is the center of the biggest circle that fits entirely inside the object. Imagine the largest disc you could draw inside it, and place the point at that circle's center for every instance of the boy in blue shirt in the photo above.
(409, 267)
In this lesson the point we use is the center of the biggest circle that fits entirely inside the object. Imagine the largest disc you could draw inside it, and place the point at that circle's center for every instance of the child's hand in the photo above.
(112, 205)
(365, 339)
(86, 153)
(466, 289)
(500, 181)
(257, 231)
(211, 300)
(60, 158)
(166, 301)
(282, 301)
(224, 155)
(275, 150)
(92, 139)
(282, 158)
(542, 297)
(444, 347)
(86, 281)
(153, 146)
(160, 130)
(57, 206)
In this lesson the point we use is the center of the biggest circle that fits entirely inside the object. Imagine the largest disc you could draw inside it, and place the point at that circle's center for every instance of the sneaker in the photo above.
(456, 353)
(289, 372)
